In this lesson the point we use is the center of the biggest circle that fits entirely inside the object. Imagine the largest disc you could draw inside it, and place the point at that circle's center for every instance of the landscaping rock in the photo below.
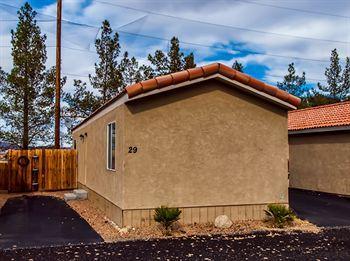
(69, 196)
(222, 221)
(80, 193)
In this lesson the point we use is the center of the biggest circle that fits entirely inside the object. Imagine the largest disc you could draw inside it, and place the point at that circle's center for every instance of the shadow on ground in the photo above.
(319, 208)
(32, 221)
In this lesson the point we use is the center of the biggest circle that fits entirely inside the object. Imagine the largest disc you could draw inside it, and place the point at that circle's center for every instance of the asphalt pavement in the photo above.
(35, 221)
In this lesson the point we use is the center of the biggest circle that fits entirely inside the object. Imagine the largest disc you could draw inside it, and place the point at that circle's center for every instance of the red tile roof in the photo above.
(196, 73)
(205, 71)
(332, 115)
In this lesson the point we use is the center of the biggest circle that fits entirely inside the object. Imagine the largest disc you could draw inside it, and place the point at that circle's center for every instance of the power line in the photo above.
(199, 45)
(307, 78)
(294, 9)
(222, 25)
(188, 43)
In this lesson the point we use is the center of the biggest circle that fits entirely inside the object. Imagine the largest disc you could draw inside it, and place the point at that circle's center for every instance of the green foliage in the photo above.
(292, 83)
(107, 78)
(132, 72)
(27, 92)
(238, 66)
(166, 216)
(171, 62)
(280, 214)
(314, 98)
(338, 81)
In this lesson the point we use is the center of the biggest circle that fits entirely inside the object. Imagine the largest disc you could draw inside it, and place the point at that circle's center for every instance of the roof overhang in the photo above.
(224, 79)
(125, 99)
(319, 130)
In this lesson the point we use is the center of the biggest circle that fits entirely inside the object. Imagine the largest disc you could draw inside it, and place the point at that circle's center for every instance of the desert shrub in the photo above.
(166, 216)
(280, 214)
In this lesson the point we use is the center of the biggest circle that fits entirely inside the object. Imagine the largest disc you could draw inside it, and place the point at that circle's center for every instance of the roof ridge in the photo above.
(206, 71)
(320, 106)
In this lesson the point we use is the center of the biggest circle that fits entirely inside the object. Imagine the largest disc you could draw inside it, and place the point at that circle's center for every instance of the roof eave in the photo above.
(319, 130)
(222, 78)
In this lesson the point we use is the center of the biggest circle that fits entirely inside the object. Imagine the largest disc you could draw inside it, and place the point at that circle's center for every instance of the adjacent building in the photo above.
(319, 150)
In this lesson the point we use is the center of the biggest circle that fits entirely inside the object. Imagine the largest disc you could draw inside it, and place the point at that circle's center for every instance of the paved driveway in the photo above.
(32, 221)
(320, 208)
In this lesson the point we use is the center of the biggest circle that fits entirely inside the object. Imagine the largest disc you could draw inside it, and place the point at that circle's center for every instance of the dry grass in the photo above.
(110, 232)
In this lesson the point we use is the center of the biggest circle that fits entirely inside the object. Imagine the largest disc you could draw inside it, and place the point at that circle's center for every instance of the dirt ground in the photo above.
(110, 232)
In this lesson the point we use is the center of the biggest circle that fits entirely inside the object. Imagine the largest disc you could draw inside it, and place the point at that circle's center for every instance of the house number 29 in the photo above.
(132, 149)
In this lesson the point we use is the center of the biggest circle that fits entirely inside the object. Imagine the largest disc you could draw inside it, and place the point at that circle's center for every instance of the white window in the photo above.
(111, 146)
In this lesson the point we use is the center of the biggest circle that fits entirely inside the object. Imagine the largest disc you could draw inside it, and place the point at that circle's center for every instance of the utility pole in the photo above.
(58, 75)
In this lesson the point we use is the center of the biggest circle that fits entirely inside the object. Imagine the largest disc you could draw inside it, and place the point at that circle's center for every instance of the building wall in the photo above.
(199, 215)
(92, 157)
(205, 145)
(320, 162)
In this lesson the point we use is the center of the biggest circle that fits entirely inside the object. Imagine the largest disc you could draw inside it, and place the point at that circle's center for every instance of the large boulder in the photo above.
(223, 221)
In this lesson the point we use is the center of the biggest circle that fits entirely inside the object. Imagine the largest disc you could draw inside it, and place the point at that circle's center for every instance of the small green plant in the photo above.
(166, 216)
(280, 214)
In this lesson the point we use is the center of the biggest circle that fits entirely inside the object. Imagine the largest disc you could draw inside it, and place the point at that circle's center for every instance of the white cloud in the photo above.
(229, 13)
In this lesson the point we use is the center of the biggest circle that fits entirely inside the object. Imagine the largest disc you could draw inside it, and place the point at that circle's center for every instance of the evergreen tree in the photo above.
(107, 78)
(27, 91)
(175, 56)
(130, 70)
(315, 98)
(171, 62)
(160, 63)
(81, 103)
(292, 83)
(334, 78)
(238, 66)
(345, 84)
(189, 62)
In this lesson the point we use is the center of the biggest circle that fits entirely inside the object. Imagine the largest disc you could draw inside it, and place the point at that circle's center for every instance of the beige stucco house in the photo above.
(319, 151)
(209, 140)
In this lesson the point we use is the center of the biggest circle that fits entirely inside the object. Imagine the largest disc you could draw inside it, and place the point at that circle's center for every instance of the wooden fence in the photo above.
(40, 169)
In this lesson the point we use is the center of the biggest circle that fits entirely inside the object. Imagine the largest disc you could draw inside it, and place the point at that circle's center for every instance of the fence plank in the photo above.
(4, 175)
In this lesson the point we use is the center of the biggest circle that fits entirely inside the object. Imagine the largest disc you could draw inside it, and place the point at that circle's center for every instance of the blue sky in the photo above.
(264, 35)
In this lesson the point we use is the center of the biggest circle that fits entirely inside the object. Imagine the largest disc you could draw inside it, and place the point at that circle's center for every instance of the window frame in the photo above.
(109, 145)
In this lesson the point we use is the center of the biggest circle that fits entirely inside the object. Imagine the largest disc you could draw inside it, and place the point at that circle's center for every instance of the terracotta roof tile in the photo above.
(164, 80)
(227, 71)
(205, 71)
(332, 115)
(134, 89)
(149, 85)
(242, 77)
(195, 73)
(179, 77)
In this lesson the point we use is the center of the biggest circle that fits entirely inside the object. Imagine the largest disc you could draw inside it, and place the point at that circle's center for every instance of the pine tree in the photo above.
(315, 98)
(81, 103)
(238, 66)
(345, 84)
(27, 91)
(292, 83)
(107, 78)
(333, 75)
(160, 63)
(173, 61)
(189, 62)
(175, 56)
(130, 71)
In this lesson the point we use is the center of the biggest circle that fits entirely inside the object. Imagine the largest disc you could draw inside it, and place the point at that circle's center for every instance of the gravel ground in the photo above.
(98, 221)
(330, 244)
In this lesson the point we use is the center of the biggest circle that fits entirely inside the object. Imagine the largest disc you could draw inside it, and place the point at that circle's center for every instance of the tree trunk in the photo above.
(25, 137)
